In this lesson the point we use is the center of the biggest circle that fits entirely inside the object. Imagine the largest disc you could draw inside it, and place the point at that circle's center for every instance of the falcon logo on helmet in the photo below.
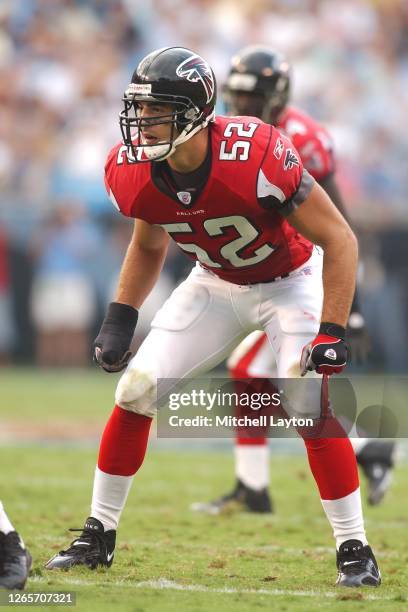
(194, 69)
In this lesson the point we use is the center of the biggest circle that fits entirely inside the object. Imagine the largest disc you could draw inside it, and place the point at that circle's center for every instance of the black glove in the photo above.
(111, 347)
(327, 353)
(357, 335)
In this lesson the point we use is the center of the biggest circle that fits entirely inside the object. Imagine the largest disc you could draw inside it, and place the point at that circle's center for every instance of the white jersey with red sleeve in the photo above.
(236, 226)
(311, 140)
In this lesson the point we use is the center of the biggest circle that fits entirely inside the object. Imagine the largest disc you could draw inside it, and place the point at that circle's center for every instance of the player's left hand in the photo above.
(358, 338)
(112, 345)
(327, 353)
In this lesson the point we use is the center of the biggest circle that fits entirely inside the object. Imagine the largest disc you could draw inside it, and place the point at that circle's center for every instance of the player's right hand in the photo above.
(112, 345)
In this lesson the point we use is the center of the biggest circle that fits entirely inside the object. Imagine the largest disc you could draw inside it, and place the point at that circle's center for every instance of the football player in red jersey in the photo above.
(235, 197)
(258, 84)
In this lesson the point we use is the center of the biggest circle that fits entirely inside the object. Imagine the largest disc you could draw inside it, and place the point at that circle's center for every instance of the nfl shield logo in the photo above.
(184, 197)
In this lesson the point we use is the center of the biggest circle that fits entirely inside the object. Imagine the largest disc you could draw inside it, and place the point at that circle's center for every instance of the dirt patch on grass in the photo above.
(59, 431)
(82, 431)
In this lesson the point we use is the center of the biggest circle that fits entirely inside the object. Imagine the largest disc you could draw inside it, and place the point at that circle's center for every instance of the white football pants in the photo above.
(205, 318)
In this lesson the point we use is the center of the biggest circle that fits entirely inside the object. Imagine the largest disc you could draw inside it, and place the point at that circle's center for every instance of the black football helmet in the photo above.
(258, 84)
(175, 76)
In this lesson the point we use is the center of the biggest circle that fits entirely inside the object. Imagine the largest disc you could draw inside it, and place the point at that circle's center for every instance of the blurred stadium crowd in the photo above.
(63, 67)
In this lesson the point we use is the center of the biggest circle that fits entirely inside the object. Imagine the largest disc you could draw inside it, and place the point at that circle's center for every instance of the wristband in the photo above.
(123, 314)
(332, 329)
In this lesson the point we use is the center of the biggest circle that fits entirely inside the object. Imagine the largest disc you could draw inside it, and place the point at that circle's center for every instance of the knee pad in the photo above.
(137, 392)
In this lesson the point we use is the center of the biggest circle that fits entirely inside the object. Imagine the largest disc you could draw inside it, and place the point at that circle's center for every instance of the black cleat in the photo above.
(357, 566)
(15, 561)
(377, 460)
(241, 498)
(94, 547)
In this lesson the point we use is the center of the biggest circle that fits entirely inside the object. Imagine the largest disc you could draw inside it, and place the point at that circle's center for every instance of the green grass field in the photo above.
(169, 558)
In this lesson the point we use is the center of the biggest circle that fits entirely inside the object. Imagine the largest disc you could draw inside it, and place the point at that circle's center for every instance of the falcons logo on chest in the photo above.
(195, 69)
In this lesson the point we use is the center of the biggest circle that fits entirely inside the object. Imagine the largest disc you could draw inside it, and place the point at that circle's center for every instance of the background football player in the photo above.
(234, 195)
(15, 560)
(259, 85)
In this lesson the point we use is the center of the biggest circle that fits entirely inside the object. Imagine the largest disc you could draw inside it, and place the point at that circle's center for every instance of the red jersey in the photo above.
(312, 141)
(236, 226)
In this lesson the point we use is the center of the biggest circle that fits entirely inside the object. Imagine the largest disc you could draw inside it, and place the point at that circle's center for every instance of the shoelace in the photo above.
(87, 537)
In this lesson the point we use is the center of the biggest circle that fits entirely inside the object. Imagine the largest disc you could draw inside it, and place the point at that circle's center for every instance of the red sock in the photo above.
(124, 442)
(250, 441)
(334, 466)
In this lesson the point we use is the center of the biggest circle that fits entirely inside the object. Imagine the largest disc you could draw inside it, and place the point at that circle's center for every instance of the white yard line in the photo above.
(163, 584)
